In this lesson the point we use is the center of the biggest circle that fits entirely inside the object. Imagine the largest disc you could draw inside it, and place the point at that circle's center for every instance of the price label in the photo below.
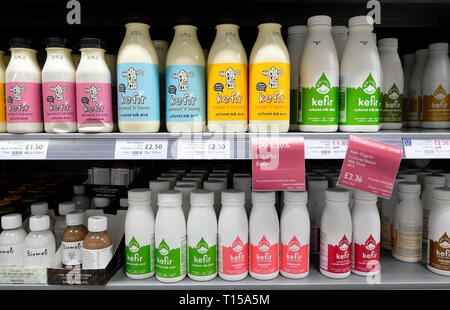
(325, 148)
(23, 149)
(140, 149)
(426, 148)
(203, 149)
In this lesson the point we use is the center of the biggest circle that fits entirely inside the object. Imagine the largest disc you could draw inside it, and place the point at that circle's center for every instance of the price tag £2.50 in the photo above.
(141, 149)
(23, 149)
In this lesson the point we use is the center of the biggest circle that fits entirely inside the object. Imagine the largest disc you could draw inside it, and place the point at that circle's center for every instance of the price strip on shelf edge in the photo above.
(278, 163)
(23, 149)
(140, 149)
(370, 166)
(325, 148)
(203, 149)
(426, 148)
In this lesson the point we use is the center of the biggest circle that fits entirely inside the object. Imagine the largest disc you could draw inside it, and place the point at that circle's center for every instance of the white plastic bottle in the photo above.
(170, 238)
(39, 245)
(408, 61)
(186, 190)
(227, 79)
(391, 110)
(185, 82)
(64, 208)
(12, 241)
(232, 237)
(316, 204)
(216, 186)
(340, 36)
(319, 78)
(81, 201)
(58, 88)
(430, 183)
(23, 89)
(294, 237)
(360, 79)
(269, 78)
(415, 88)
(336, 235)
(366, 229)
(93, 78)
(138, 81)
(139, 235)
(436, 88)
(157, 186)
(387, 217)
(244, 184)
(264, 231)
(2, 93)
(38, 208)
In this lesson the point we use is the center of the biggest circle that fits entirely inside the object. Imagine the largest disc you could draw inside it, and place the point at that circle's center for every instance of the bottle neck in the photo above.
(270, 33)
(233, 205)
(92, 53)
(228, 33)
(360, 29)
(18, 53)
(319, 28)
(297, 204)
(137, 33)
(185, 33)
(337, 204)
(364, 203)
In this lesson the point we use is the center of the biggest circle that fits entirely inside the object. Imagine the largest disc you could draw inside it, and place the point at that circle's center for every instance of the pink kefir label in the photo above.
(294, 257)
(235, 258)
(336, 258)
(94, 103)
(23, 102)
(264, 257)
(366, 257)
(59, 100)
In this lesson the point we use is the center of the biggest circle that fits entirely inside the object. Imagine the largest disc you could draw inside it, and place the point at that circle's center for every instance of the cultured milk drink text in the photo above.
(436, 88)
(2, 93)
(185, 82)
(415, 88)
(12, 241)
(340, 36)
(162, 47)
(387, 217)
(391, 111)
(430, 183)
(360, 79)
(94, 106)
(319, 78)
(227, 80)
(336, 235)
(316, 204)
(233, 237)
(269, 77)
(366, 234)
(23, 89)
(59, 88)
(294, 237)
(264, 229)
(408, 61)
(138, 80)
(216, 186)
(295, 44)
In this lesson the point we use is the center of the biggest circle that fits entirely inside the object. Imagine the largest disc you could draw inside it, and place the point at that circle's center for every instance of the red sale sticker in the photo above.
(370, 166)
(278, 163)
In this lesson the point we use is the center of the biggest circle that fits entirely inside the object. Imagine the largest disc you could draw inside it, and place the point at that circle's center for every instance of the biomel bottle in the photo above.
(39, 246)
(23, 89)
(233, 237)
(430, 183)
(185, 82)
(360, 79)
(58, 88)
(436, 88)
(138, 80)
(264, 231)
(294, 238)
(415, 88)
(2, 93)
(316, 204)
(94, 106)
(319, 78)
(387, 217)
(157, 186)
(72, 240)
(340, 36)
(408, 61)
(139, 235)
(269, 77)
(227, 79)
(12, 241)
(170, 238)
(366, 234)
(97, 245)
(391, 111)
(336, 235)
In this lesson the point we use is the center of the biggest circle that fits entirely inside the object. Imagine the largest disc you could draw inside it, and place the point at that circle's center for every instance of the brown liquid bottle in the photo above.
(72, 240)
(97, 245)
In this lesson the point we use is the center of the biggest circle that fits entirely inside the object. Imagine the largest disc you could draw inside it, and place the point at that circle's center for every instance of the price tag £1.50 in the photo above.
(23, 149)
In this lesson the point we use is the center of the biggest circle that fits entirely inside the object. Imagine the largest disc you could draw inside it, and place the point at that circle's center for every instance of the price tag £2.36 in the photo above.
(23, 149)
(141, 149)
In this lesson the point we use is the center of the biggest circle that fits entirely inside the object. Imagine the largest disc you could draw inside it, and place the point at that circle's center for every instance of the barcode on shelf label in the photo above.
(141, 149)
(325, 148)
(23, 149)
(426, 148)
(203, 149)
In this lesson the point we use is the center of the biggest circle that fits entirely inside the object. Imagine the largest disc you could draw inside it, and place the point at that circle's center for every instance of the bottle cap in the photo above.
(360, 20)
(202, 197)
(159, 185)
(233, 196)
(171, 180)
(359, 194)
(39, 208)
(296, 196)
(297, 29)
(39, 222)
(101, 202)
(193, 183)
(315, 182)
(263, 197)
(123, 202)
(57, 42)
(66, 207)
(185, 188)
(78, 189)
(139, 194)
(337, 194)
(170, 197)
(392, 42)
(11, 221)
(409, 187)
(242, 183)
(75, 218)
(214, 185)
(92, 43)
(97, 223)
(20, 43)
(438, 193)
(339, 29)
(198, 181)
(438, 47)
(180, 171)
(319, 20)
(434, 179)
(195, 175)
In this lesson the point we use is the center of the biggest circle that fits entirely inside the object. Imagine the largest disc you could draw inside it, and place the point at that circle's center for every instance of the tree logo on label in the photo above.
(163, 248)
(344, 244)
(394, 93)
(323, 85)
(440, 93)
(444, 241)
(369, 85)
(237, 245)
(370, 244)
(202, 246)
(134, 246)
(264, 244)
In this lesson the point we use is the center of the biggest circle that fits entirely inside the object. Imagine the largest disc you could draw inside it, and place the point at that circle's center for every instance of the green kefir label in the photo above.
(202, 259)
(170, 262)
(391, 106)
(139, 259)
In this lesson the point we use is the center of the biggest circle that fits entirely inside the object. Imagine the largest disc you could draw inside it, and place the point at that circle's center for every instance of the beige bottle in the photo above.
(269, 79)
(2, 93)
(415, 88)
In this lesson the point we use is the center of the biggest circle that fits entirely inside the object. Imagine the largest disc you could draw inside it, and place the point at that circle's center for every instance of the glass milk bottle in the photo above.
(23, 89)
(319, 78)
(436, 88)
(138, 80)
(408, 61)
(340, 36)
(39, 245)
(227, 79)
(12, 240)
(415, 88)
(360, 79)
(185, 82)
(2, 93)
(269, 78)
(391, 113)
(94, 107)
(58, 88)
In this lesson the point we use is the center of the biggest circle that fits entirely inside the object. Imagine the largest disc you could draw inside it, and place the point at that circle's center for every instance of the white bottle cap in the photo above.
(195, 175)
(223, 179)
(317, 183)
(392, 42)
(296, 196)
(11, 221)
(101, 202)
(39, 208)
(202, 196)
(297, 29)
(198, 181)
(421, 53)
(360, 20)
(214, 185)
(170, 197)
(192, 183)
(263, 197)
(139, 194)
(319, 20)
(339, 29)
(233, 196)
(97, 223)
(242, 183)
(66, 207)
(409, 177)
(75, 218)
(123, 202)
(39, 222)
(337, 194)
(438, 193)
(185, 188)
(159, 185)
(438, 47)
(78, 189)
(409, 187)
(179, 171)
(359, 194)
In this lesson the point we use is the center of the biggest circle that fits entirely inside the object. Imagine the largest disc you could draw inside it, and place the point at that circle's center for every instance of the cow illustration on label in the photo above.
(131, 76)
(93, 92)
(182, 77)
(273, 74)
(59, 91)
(230, 76)
(17, 90)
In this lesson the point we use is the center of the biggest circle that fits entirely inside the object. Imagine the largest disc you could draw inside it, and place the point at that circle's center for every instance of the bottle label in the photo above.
(71, 253)
(360, 105)
(366, 257)
(414, 106)
(59, 102)
(319, 103)
(335, 258)
(2, 103)
(138, 91)
(23, 102)
(96, 259)
(11, 255)
(387, 232)
(185, 93)
(294, 106)
(264, 257)
(436, 107)
(391, 106)
(233, 260)
(408, 240)
(227, 92)
(139, 259)
(294, 257)
(202, 259)
(94, 103)
(269, 91)
(439, 253)
(39, 257)
(171, 262)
